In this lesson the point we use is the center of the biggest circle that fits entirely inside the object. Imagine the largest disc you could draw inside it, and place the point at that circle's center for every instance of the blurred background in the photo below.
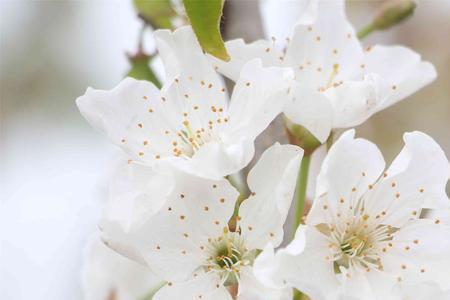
(53, 166)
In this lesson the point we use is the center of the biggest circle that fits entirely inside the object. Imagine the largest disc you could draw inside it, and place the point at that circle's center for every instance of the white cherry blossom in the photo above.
(338, 83)
(364, 238)
(189, 123)
(188, 242)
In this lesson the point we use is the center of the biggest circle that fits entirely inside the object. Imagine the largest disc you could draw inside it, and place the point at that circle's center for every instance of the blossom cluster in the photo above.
(371, 233)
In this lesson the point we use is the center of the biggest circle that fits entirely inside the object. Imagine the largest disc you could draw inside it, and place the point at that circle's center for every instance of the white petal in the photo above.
(290, 12)
(272, 182)
(353, 102)
(182, 55)
(439, 215)
(416, 179)
(106, 273)
(251, 289)
(241, 53)
(420, 253)
(360, 284)
(308, 270)
(204, 286)
(214, 160)
(174, 241)
(311, 109)
(267, 265)
(349, 168)
(401, 71)
(258, 97)
(136, 193)
(424, 291)
(122, 114)
(316, 50)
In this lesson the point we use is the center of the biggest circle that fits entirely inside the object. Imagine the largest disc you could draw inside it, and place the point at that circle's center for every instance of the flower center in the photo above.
(227, 255)
(191, 140)
(357, 243)
(354, 245)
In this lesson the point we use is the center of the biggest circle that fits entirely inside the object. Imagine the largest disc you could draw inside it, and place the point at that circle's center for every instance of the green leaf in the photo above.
(205, 20)
(140, 69)
(157, 13)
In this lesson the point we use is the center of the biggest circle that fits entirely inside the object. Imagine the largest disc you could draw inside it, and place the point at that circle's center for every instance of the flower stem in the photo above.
(238, 184)
(302, 182)
(366, 30)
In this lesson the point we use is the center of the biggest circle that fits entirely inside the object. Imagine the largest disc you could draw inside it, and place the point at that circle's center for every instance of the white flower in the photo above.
(363, 238)
(108, 275)
(189, 123)
(188, 242)
(338, 83)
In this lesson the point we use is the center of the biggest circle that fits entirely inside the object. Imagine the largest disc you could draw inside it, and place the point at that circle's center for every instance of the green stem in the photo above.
(239, 184)
(366, 30)
(302, 182)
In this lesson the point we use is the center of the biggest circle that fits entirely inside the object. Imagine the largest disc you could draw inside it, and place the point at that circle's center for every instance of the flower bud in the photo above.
(300, 136)
(393, 12)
